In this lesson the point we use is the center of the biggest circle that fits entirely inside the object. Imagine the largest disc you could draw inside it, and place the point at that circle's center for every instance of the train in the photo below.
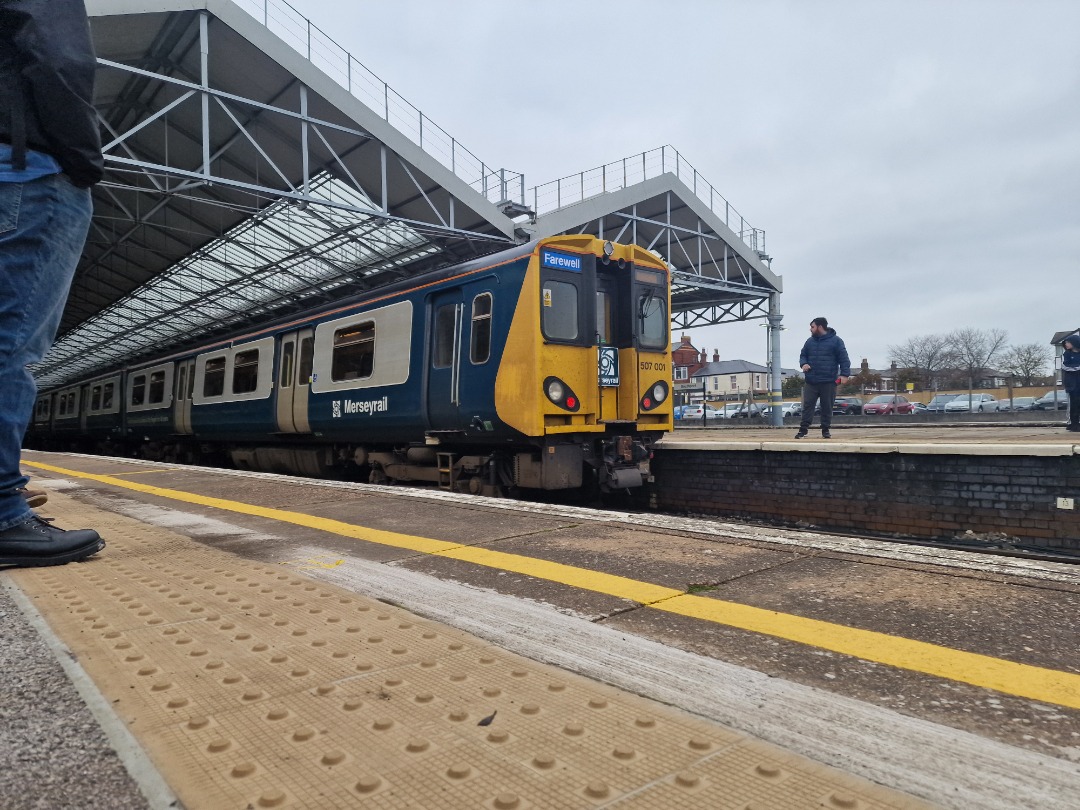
(543, 367)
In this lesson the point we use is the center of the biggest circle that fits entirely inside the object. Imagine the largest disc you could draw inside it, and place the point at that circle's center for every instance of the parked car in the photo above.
(1046, 401)
(919, 407)
(697, 412)
(939, 401)
(1016, 404)
(728, 410)
(847, 405)
(745, 411)
(974, 403)
(888, 403)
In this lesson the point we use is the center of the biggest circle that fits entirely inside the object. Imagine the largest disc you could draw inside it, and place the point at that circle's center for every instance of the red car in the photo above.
(888, 403)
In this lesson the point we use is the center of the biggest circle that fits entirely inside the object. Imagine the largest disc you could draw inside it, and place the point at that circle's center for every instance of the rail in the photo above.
(311, 42)
(637, 168)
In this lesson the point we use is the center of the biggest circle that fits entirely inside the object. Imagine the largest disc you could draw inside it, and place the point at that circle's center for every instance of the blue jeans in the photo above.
(43, 226)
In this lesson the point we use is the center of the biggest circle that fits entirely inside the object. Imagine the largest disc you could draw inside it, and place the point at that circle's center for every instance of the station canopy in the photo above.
(254, 168)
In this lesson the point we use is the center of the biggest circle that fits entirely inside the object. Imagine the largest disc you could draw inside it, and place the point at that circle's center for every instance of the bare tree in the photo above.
(926, 355)
(974, 351)
(1026, 361)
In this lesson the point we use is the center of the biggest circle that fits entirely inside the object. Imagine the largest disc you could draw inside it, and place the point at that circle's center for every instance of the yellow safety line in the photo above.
(1022, 680)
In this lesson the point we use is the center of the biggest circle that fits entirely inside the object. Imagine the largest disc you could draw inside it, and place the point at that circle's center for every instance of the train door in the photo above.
(294, 381)
(84, 407)
(185, 385)
(607, 338)
(444, 372)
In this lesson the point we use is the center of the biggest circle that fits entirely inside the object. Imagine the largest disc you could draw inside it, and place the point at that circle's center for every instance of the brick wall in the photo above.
(924, 496)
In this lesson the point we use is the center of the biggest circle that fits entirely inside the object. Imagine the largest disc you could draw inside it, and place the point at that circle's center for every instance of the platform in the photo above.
(279, 642)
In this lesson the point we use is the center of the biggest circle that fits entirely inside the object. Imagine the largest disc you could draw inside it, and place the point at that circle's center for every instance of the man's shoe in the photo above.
(1073, 427)
(33, 497)
(35, 543)
(826, 433)
(801, 434)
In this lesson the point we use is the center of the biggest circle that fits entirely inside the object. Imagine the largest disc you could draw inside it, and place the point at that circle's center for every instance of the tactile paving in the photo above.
(255, 687)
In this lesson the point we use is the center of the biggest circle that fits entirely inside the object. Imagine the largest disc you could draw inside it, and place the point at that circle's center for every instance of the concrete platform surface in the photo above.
(948, 677)
(961, 433)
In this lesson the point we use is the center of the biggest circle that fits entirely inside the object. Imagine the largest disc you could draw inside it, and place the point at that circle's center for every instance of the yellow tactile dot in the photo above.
(277, 714)
(506, 801)
(242, 770)
(767, 770)
(271, 798)
(498, 736)
(597, 703)
(195, 723)
(177, 703)
(219, 745)
(325, 689)
(699, 744)
(573, 729)
(303, 734)
(597, 790)
(492, 691)
(458, 716)
(687, 780)
(367, 784)
(352, 705)
(844, 801)
(332, 757)
(645, 722)
(382, 723)
(417, 745)
(300, 672)
(544, 762)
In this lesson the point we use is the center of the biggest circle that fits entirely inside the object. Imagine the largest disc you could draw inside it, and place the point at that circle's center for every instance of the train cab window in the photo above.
(604, 332)
(245, 372)
(287, 352)
(354, 352)
(214, 377)
(480, 345)
(445, 321)
(307, 359)
(138, 390)
(652, 319)
(61, 405)
(560, 310)
(181, 383)
(157, 388)
(107, 395)
(95, 398)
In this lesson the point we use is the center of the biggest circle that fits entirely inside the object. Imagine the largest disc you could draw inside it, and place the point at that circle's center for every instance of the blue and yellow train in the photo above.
(543, 367)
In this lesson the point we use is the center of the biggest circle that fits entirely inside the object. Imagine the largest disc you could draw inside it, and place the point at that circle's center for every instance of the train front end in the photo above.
(587, 369)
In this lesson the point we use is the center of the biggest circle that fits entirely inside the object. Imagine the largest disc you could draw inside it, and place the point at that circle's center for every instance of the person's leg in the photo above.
(1074, 410)
(828, 397)
(809, 401)
(43, 226)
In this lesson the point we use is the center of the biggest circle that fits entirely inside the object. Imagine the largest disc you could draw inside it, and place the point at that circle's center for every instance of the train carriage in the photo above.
(542, 367)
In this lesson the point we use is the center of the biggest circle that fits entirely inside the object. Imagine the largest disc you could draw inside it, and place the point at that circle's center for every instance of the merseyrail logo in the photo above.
(560, 261)
(363, 406)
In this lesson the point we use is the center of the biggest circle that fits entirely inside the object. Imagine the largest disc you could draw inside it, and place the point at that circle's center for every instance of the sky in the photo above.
(915, 164)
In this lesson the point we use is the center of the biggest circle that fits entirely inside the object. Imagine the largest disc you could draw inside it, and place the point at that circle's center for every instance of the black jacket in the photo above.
(827, 356)
(47, 69)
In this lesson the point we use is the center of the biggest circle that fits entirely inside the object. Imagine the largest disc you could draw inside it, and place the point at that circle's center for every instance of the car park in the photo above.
(1016, 404)
(847, 405)
(886, 404)
(698, 412)
(972, 403)
(939, 401)
(1047, 401)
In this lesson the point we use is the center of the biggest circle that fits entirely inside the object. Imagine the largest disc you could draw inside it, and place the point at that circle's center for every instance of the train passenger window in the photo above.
(445, 321)
(107, 395)
(138, 390)
(95, 398)
(181, 383)
(307, 358)
(560, 310)
(61, 407)
(652, 319)
(480, 348)
(157, 388)
(214, 377)
(287, 352)
(603, 318)
(191, 384)
(354, 352)
(245, 372)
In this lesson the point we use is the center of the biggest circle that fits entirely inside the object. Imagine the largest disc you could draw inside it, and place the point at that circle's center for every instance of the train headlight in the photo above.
(656, 395)
(559, 393)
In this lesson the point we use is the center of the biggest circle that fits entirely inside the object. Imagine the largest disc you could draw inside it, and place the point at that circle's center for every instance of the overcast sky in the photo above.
(915, 165)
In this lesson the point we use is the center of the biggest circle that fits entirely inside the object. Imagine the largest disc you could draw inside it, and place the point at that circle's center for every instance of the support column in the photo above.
(776, 418)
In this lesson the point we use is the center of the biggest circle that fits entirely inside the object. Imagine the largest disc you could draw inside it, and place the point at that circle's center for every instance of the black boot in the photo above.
(34, 543)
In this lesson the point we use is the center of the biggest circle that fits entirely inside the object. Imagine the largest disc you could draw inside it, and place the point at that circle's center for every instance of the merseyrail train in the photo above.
(544, 367)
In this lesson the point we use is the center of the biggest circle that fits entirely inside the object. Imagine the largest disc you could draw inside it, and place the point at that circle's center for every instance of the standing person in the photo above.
(1070, 378)
(50, 156)
(824, 361)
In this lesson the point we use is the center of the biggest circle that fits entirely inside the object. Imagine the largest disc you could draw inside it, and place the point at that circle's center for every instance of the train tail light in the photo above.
(561, 394)
(655, 396)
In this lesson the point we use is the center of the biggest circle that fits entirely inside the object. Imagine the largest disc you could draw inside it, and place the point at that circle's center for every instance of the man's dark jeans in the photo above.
(811, 394)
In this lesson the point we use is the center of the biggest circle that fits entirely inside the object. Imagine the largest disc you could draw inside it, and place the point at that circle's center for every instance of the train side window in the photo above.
(287, 352)
(307, 359)
(480, 345)
(354, 352)
(652, 319)
(61, 406)
(445, 318)
(107, 395)
(214, 377)
(245, 372)
(191, 384)
(560, 310)
(181, 383)
(603, 318)
(138, 390)
(95, 398)
(157, 388)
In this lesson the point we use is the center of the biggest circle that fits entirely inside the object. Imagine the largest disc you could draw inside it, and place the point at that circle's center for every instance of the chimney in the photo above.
(865, 366)
(892, 366)
(685, 342)
(716, 356)
(704, 357)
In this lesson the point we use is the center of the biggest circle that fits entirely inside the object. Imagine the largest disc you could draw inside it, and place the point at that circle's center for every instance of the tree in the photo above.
(792, 387)
(859, 383)
(1025, 361)
(926, 355)
(975, 350)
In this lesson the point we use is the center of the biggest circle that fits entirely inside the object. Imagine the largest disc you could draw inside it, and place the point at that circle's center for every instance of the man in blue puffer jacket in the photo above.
(825, 362)
(1070, 378)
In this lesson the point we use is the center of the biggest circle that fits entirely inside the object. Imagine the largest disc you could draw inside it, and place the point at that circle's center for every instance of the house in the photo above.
(685, 360)
(735, 379)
